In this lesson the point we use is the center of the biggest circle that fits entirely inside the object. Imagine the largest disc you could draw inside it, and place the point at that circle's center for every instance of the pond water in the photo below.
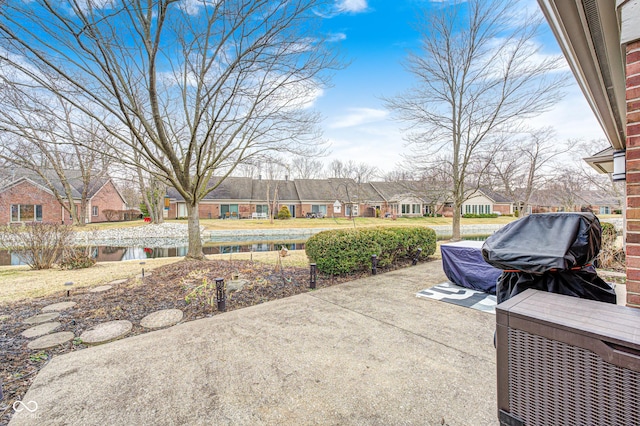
(114, 254)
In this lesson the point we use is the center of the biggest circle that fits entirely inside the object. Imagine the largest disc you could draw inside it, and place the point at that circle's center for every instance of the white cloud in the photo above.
(193, 7)
(352, 6)
(336, 37)
(358, 116)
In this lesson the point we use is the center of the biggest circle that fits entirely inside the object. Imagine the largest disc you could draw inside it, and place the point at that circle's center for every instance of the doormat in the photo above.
(451, 293)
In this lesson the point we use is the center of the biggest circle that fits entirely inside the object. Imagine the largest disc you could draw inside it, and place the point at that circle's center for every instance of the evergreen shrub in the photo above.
(339, 252)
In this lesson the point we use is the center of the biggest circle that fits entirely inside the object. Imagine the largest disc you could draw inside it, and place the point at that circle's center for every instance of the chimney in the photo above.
(286, 177)
(259, 177)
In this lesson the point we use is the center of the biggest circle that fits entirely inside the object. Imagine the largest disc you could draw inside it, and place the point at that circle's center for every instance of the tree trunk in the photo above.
(456, 222)
(195, 242)
(158, 212)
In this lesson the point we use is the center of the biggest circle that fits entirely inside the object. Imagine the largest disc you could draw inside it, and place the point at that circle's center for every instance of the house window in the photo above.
(262, 208)
(416, 209)
(26, 213)
(605, 210)
(229, 210)
(94, 211)
(319, 208)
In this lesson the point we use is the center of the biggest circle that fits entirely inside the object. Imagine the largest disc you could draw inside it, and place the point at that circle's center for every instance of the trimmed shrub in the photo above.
(340, 252)
(284, 213)
(480, 216)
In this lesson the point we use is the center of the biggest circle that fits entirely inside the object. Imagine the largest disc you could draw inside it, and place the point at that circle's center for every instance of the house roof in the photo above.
(315, 189)
(286, 190)
(231, 188)
(395, 191)
(494, 196)
(74, 178)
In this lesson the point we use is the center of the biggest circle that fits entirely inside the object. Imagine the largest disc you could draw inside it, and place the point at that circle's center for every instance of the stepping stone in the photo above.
(116, 282)
(101, 288)
(106, 332)
(41, 329)
(51, 340)
(235, 285)
(37, 319)
(59, 306)
(163, 318)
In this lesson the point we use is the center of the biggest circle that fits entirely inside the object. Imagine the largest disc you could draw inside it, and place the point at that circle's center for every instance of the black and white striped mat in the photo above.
(451, 293)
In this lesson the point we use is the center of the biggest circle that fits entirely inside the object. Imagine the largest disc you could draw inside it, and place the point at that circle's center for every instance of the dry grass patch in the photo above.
(20, 282)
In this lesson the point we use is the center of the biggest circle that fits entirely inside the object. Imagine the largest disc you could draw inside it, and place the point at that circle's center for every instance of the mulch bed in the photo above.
(165, 288)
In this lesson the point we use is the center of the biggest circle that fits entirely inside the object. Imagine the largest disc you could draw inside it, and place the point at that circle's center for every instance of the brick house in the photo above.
(243, 198)
(601, 41)
(485, 201)
(27, 200)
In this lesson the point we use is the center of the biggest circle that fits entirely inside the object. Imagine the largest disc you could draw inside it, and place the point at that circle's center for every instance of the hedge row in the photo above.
(339, 252)
(480, 216)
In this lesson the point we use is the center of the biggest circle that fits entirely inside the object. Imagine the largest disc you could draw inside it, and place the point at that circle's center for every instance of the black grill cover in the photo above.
(549, 252)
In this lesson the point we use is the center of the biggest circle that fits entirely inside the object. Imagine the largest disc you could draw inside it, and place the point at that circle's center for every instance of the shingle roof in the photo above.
(495, 196)
(74, 177)
(315, 190)
(286, 190)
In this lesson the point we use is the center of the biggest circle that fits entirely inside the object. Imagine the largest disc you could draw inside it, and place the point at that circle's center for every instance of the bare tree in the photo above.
(192, 87)
(272, 172)
(361, 172)
(40, 140)
(525, 165)
(479, 73)
(306, 168)
(566, 188)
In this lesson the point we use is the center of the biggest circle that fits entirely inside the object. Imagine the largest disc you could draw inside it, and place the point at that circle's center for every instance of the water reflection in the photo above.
(115, 254)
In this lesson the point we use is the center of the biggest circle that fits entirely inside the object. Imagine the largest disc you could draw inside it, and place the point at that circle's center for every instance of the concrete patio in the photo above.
(366, 352)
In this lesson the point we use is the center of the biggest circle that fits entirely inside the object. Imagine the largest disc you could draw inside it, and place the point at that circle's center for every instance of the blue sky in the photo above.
(375, 36)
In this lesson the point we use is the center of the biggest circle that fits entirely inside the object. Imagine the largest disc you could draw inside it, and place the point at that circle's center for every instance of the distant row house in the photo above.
(238, 197)
(28, 198)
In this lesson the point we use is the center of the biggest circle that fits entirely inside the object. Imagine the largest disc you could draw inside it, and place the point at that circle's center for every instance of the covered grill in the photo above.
(550, 252)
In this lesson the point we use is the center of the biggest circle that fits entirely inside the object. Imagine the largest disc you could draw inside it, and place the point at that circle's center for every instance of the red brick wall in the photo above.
(207, 211)
(107, 198)
(27, 193)
(633, 174)
(502, 208)
(173, 210)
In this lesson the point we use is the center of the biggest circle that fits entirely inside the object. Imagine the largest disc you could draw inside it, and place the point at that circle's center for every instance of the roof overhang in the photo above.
(602, 162)
(588, 32)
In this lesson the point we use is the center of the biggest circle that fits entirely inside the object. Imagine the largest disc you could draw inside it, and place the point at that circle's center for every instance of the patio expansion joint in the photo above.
(405, 330)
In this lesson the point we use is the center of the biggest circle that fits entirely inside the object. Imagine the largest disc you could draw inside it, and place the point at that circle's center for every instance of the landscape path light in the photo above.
(415, 259)
(68, 285)
(313, 275)
(374, 264)
(142, 264)
(220, 295)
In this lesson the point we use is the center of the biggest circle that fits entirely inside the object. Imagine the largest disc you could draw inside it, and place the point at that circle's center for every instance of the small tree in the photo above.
(39, 245)
(284, 213)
